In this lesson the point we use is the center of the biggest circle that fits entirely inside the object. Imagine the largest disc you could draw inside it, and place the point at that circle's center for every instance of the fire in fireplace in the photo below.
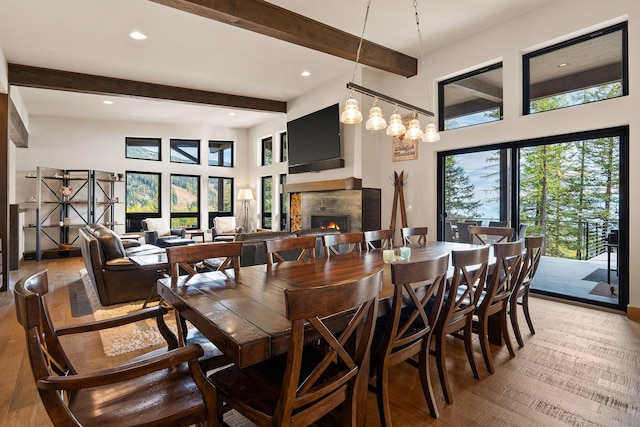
(339, 222)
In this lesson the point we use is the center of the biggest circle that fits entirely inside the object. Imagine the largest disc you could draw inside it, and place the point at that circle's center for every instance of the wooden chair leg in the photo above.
(382, 393)
(425, 378)
(513, 315)
(504, 326)
(441, 358)
(483, 329)
(468, 346)
(525, 309)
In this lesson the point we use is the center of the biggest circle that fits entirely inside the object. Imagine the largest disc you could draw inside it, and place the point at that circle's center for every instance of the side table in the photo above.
(195, 233)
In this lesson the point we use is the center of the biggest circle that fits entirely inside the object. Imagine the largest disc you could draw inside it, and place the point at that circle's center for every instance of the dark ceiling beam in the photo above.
(45, 78)
(17, 130)
(273, 21)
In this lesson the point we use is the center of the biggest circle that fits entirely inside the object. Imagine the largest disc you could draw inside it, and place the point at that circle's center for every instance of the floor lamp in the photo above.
(246, 196)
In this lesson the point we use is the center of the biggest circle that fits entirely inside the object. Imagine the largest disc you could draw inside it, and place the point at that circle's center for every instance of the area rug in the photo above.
(126, 338)
(604, 289)
(600, 275)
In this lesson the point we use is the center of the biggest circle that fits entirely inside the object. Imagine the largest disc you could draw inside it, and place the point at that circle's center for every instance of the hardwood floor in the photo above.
(582, 368)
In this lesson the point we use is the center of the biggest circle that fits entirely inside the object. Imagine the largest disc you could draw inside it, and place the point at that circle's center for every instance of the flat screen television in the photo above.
(314, 141)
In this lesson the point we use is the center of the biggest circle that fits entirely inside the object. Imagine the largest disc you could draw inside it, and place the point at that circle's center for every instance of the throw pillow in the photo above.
(158, 225)
(225, 224)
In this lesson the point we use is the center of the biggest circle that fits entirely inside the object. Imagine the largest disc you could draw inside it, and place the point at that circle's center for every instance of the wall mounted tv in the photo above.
(314, 141)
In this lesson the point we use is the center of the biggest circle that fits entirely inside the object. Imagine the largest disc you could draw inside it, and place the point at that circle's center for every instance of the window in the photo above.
(284, 203)
(185, 151)
(221, 153)
(267, 195)
(185, 201)
(573, 189)
(142, 148)
(267, 151)
(219, 197)
(142, 198)
(582, 70)
(284, 151)
(471, 99)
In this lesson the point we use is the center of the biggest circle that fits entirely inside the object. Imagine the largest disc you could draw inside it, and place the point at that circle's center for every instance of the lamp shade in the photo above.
(245, 194)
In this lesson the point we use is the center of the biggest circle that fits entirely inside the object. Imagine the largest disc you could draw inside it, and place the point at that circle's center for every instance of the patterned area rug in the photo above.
(127, 338)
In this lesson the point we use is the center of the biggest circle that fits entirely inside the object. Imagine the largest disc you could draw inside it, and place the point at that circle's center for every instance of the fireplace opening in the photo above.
(338, 222)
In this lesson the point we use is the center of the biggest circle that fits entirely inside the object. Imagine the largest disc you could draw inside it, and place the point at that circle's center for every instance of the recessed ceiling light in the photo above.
(107, 102)
(564, 64)
(137, 35)
(232, 114)
(305, 73)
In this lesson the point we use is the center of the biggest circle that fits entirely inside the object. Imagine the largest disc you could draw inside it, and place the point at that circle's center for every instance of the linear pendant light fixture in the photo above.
(352, 115)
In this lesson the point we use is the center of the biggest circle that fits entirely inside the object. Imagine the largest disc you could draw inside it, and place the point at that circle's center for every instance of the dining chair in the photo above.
(298, 248)
(490, 235)
(495, 298)
(162, 388)
(335, 244)
(497, 223)
(193, 259)
(449, 235)
(382, 239)
(406, 332)
(534, 248)
(456, 317)
(310, 380)
(522, 231)
(463, 232)
(419, 234)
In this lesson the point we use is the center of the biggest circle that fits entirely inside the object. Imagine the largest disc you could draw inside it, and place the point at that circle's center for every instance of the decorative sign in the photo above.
(404, 149)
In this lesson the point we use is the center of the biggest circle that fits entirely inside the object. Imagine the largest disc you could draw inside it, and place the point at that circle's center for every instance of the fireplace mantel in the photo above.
(330, 185)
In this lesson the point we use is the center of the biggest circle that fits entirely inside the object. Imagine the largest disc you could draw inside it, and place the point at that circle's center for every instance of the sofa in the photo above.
(116, 278)
(253, 249)
(158, 233)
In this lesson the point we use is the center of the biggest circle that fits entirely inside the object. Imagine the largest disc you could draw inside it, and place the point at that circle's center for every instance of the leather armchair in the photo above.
(157, 229)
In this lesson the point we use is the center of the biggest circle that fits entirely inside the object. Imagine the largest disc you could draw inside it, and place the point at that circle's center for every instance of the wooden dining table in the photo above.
(245, 316)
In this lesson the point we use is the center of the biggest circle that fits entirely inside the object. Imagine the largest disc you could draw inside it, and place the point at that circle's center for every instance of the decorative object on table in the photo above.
(64, 246)
(246, 196)
(387, 255)
(405, 253)
(398, 197)
(66, 192)
(352, 115)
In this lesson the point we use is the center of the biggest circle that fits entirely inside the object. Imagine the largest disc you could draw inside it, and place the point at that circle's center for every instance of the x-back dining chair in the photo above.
(534, 248)
(217, 255)
(456, 317)
(163, 388)
(407, 331)
(335, 244)
(490, 235)
(188, 258)
(495, 298)
(309, 381)
(415, 235)
(384, 238)
(463, 232)
(278, 249)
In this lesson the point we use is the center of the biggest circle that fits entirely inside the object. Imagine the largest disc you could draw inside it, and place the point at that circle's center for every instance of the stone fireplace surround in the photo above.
(340, 198)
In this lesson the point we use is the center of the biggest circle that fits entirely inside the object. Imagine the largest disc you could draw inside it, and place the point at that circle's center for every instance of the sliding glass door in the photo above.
(572, 189)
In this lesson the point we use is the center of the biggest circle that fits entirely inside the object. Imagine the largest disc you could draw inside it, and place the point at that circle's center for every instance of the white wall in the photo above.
(95, 144)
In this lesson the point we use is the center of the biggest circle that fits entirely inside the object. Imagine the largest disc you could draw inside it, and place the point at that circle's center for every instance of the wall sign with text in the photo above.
(404, 149)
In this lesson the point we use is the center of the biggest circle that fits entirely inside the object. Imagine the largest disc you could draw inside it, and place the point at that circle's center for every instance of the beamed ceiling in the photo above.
(215, 56)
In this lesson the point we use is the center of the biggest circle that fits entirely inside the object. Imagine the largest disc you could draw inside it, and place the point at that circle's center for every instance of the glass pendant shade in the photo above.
(395, 128)
(414, 131)
(376, 121)
(431, 134)
(351, 114)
